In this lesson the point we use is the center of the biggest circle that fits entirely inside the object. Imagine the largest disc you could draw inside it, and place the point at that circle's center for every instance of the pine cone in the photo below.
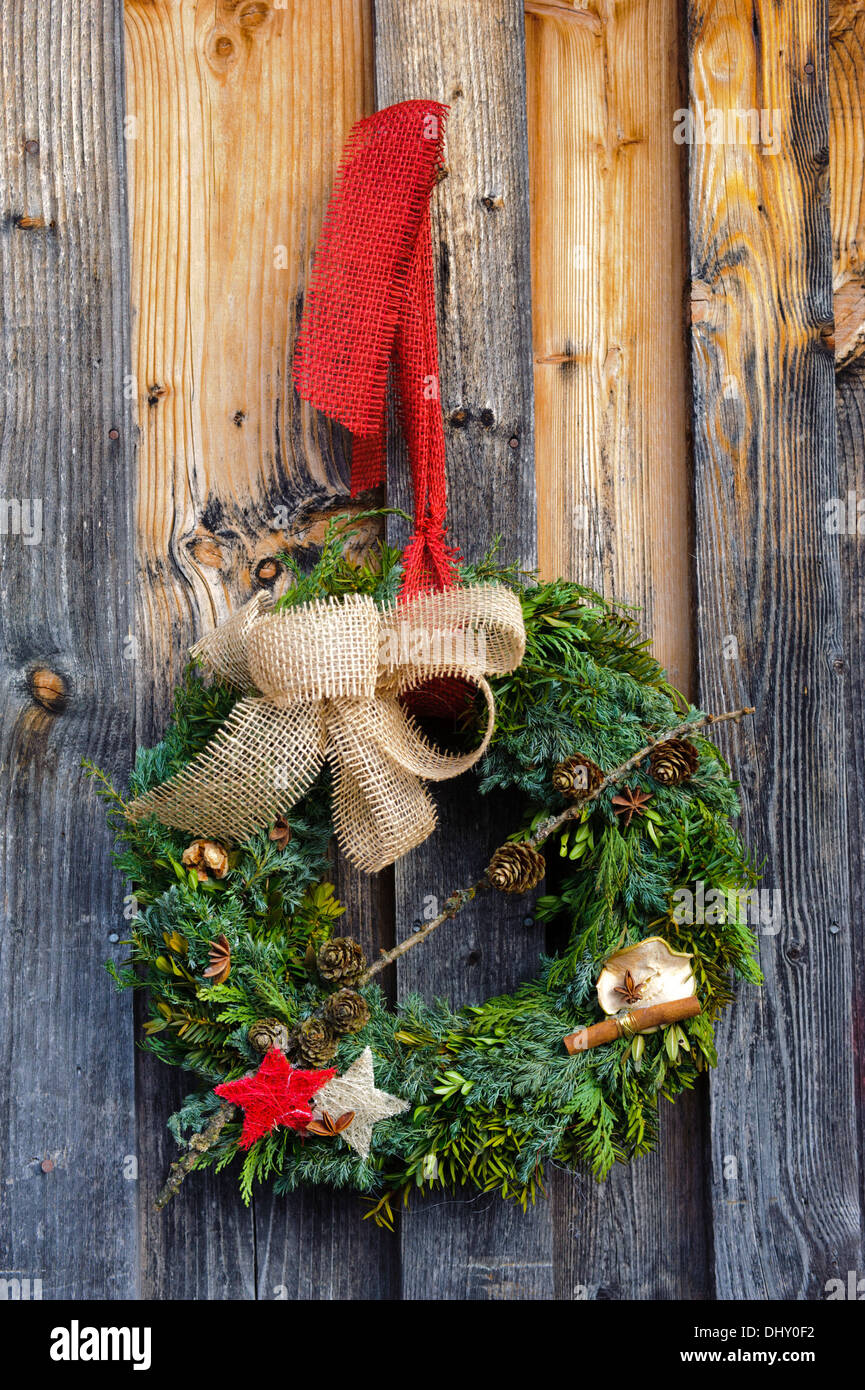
(673, 762)
(516, 868)
(341, 961)
(208, 858)
(577, 775)
(346, 1011)
(313, 1041)
(266, 1033)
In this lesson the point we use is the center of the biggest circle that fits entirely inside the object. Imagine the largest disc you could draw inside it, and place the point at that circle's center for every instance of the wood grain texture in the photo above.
(847, 164)
(67, 1158)
(613, 473)
(786, 1208)
(609, 262)
(236, 117)
(472, 57)
(847, 174)
(850, 414)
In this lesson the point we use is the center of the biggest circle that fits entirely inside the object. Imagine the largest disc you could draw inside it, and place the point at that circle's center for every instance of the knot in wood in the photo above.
(48, 690)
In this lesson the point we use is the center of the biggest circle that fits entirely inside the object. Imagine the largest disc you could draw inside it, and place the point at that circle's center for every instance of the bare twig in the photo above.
(547, 827)
(198, 1145)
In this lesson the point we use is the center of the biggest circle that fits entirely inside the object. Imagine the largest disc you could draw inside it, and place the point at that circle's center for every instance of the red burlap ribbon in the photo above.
(371, 306)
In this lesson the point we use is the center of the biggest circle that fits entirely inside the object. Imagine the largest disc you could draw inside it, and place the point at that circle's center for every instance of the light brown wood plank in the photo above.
(608, 286)
(612, 402)
(847, 174)
(236, 117)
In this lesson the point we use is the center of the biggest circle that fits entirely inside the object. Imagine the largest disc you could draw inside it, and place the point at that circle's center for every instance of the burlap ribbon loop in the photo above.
(322, 681)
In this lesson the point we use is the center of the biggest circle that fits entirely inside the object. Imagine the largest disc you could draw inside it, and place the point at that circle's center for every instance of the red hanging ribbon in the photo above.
(371, 303)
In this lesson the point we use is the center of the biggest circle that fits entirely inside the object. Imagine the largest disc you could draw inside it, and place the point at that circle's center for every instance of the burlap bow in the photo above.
(322, 682)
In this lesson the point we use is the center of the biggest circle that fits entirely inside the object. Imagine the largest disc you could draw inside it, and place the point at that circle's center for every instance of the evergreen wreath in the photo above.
(243, 955)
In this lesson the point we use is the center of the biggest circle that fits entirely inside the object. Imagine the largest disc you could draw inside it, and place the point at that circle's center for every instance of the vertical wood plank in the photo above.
(237, 117)
(67, 1160)
(784, 1155)
(472, 57)
(847, 175)
(847, 514)
(609, 254)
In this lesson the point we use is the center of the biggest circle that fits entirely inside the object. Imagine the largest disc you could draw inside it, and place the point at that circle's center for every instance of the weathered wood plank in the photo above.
(847, 174)
(612, 404)
(238, 116)
(847, 164)
(67, 1161)
(784, 1158)
(472, 57)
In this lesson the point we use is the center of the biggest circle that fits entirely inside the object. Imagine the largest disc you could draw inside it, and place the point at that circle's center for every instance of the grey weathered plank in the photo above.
(66, 1069)
(316, 1244)
(786, 1207)
(645, 1233)
(845, 513)
(472, 57)
(850, 415)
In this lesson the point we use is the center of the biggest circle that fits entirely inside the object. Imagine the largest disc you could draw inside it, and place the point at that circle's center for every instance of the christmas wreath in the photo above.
(301, 720)
(254, 984)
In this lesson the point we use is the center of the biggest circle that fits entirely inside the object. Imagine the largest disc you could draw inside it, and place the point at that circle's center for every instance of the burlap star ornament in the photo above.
(356, 1090)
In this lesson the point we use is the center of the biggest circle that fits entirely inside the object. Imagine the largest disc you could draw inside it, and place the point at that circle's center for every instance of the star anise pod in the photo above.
(631, 802)
(630, 991)
(220, 961)
(329, 1127)
(280, 832)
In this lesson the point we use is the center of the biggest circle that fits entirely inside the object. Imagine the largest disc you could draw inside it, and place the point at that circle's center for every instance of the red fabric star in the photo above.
(274, 1095)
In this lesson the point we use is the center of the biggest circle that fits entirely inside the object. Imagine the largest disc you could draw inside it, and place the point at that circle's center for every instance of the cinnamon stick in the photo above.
(637, 1021)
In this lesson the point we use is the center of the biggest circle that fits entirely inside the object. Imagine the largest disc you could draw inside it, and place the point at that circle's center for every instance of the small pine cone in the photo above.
(673, 762)
(208, 859)
(576, 776)
(313, 1042)
(340, 961)
(516, 868)
(346, 1011)
(266, 1033)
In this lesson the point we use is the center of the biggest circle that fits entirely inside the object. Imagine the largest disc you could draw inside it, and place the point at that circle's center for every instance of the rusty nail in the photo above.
(47, 1165)
(31, 146)
(514, 442)
(113, 434)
